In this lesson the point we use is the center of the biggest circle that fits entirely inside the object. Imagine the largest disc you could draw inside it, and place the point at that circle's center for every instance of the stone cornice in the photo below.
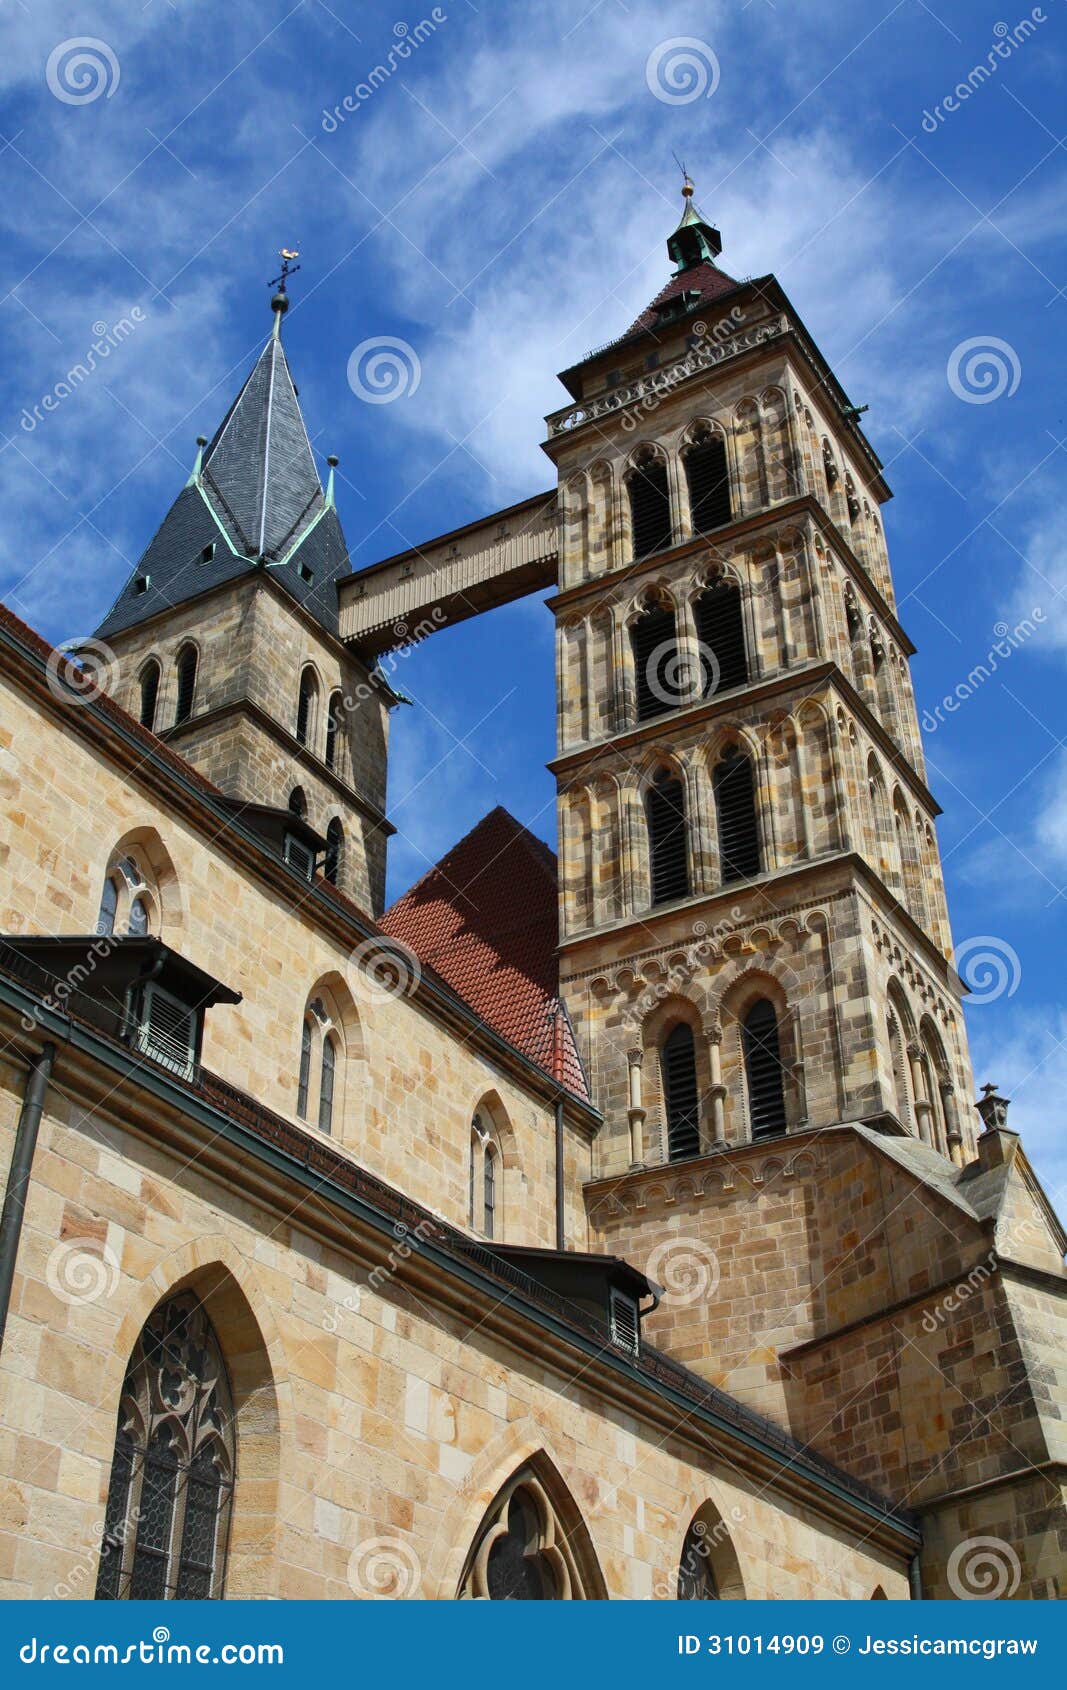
(289, 743)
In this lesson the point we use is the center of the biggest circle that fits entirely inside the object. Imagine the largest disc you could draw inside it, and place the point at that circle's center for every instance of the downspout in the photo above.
(18, 1177)
(557, 1074)
(915, 1578)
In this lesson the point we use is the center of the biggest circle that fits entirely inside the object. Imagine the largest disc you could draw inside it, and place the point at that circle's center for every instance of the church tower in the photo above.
(754, 935)
(227, 645)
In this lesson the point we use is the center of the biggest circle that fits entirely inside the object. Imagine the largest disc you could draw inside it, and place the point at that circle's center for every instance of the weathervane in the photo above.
(287, 254)
(280, 302)
(687, 180)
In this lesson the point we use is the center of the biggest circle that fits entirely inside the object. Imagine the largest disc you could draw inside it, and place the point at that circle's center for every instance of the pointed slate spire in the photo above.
(254, 499)
(259, 469)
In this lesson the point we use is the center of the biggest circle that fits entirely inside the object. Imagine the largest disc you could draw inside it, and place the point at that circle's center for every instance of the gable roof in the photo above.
(485, 918)
(254, 500)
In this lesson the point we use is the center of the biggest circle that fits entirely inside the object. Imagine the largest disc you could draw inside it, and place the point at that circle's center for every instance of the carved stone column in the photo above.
(717, 1092)
(952, 1116)
(690, 675)
(636, 1112)
(924, 1109)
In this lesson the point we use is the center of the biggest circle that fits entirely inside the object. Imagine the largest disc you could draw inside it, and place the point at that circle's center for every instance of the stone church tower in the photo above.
(227, 641)
(747, 842)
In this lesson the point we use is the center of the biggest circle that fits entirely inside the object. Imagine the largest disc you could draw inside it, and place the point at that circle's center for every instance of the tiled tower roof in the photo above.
(485, 918)
(253, 500)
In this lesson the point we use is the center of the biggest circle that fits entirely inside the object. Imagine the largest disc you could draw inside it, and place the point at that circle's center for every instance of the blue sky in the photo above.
(499, 202)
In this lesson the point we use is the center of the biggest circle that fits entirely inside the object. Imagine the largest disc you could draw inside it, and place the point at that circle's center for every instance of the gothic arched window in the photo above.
(109, 904)
(735, 810)
(696, 1579)
(168, 1503)
(763, 1069)
(304, 1081)
(149, 693)
(186, 671)
(334, 722)
(525, 1553)
(654, 642)
(721, 632)
(335, 847)
(667, 843)
(305, 707)
(327, 1073)
(709, 484)
(650, 506)
(681, 1098)
(138, 923)
(489, 1192)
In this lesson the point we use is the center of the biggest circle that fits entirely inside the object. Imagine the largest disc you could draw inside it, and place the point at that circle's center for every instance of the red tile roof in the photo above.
(486, 920)
(706, 279)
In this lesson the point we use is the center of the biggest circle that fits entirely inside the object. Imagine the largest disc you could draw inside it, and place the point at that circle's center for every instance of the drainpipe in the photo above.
(915, 1578)
(557, 1074)
(18, 1178)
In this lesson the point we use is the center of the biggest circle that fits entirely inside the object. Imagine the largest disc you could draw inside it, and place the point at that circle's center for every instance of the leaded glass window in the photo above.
(168, 1508)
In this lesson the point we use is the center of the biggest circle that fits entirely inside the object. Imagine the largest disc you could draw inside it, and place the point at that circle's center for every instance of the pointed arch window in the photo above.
(735, 811)
(138, 922)
(489, 1192)
(524, 1553)
(650, 506)
(708, 478)
(334, 856)
(186, 674)
(304, 1081)
(327, 1075)
(681, 1098)
(334, 723)
(168, 1508)
(149, 694)
(696, 1578)
(763, 1069)
(109, 905)
(305, 707)
(654, 642)
(721, 632)
(667, 842)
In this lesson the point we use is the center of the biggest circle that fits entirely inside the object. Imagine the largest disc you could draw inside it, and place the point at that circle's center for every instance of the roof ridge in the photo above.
(521, 834)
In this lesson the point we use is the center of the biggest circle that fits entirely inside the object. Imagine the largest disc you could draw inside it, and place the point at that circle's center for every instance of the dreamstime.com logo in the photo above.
(681, 70)
(82, 70)
(81, 1270)
(384, 368)
(78, 671)
(988, 967)
(984, 1569)
(382, 1569)
(384, 969)
(982, 369)
(685, 1269)
(155, 1651)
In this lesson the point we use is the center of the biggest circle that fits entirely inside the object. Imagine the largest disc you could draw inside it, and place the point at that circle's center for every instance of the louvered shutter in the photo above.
(650, 509)
(654, 641)
(679, 1073)
(299, 855)
(735, 806)
(763, 1070)
(667, 840)
(625, 1326)
(709, 485)
(720, 630)
(167, 1030)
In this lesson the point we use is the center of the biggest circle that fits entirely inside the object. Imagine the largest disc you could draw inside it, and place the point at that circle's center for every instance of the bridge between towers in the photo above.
(403, 598)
